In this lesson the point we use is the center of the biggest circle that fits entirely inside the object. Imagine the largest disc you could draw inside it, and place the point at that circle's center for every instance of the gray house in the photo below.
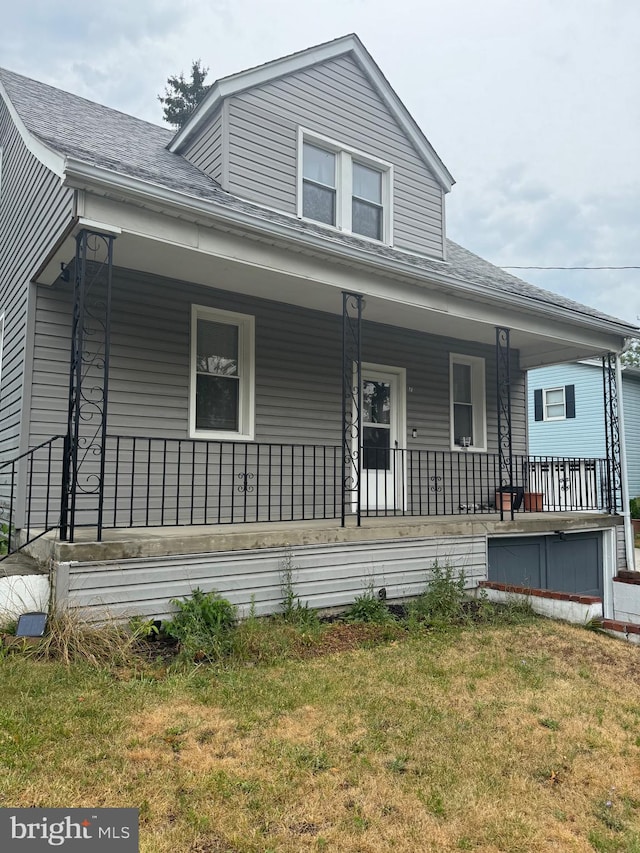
(251, 341)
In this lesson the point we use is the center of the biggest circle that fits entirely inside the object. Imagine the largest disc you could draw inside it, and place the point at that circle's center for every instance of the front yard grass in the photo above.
(520, 738)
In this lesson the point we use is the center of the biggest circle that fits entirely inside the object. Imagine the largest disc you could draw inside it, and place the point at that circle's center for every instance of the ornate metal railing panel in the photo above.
(503, 380)
(153, 482)
(612, 432)
(84, 468)
(351, 405)
(30, 486)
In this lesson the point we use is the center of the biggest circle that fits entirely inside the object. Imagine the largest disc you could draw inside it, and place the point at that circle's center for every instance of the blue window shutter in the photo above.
(537, 403)
(570, 400)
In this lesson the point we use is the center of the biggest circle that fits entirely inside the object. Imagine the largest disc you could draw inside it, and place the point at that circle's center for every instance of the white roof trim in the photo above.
(235, 83)
(47, 156)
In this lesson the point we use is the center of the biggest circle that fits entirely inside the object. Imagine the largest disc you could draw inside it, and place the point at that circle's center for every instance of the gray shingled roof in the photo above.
(109, 139)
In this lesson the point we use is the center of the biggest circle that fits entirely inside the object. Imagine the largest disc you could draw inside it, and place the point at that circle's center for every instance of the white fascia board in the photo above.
(46, 155)
(402, 116)
(84, 176)
(235, 83)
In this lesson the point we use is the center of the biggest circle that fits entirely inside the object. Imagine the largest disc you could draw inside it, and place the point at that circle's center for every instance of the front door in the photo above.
(383, 431)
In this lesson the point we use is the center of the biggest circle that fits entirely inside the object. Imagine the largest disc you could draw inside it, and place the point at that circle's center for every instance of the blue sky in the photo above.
(534, 105)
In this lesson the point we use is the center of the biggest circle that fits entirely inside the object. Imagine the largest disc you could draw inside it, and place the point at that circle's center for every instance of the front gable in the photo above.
(251, 142)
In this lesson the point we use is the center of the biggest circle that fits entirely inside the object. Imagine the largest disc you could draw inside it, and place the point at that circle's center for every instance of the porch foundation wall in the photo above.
(324, 576)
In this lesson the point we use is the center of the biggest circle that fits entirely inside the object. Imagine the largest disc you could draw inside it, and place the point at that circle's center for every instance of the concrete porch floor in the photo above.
(131, 543)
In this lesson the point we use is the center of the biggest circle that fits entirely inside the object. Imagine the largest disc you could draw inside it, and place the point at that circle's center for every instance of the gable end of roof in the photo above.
(261, 74)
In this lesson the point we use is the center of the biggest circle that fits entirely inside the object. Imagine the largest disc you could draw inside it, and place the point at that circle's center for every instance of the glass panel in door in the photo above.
(381, 458)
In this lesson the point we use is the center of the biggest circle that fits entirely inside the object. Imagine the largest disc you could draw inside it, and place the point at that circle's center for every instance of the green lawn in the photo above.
(522, 738)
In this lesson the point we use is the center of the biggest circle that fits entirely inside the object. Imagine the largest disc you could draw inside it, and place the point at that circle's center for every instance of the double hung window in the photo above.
(467, 400)
(555, 404)
(222, 384)
(345, 188)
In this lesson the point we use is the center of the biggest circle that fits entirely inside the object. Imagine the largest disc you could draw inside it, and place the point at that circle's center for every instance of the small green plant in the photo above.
(4, 538)
(634, 508)
(369, 608)
(293, 610)
(443, 601)
(203, 625)
(144, 629)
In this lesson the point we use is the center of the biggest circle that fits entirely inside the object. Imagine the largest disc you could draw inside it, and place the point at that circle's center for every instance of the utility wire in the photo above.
(567, 268)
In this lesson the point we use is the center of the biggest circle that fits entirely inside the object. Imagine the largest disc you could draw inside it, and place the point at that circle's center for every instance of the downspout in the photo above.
(624, 484)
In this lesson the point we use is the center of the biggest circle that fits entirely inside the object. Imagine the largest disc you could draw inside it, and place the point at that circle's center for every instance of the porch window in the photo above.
(345, 188)
(222, 383)
(467, 400)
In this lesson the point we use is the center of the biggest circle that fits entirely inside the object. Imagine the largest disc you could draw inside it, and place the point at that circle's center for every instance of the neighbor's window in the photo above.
(222, 383)
(555, 404)
(345, 188)
(467, 397)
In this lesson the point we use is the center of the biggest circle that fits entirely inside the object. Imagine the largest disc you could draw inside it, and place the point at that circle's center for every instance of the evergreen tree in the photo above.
(181, 96)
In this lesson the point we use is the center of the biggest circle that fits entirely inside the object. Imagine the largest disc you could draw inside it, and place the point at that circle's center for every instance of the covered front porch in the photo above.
(399, 397)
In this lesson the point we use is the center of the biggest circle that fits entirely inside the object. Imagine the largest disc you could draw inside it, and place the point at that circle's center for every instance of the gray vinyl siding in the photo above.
(206, 151)
(336, 100)
(324, 575)
(34, 210)
(298, 367)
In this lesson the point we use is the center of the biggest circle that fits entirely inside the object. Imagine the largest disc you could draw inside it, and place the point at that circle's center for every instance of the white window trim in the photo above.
(478, 401)
(344, 162)
(246, 359)
(562, 417)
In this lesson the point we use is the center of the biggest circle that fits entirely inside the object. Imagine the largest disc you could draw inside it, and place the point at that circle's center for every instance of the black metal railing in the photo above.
(30, 495)
(153, 482)
(164, 482)
(430, 482)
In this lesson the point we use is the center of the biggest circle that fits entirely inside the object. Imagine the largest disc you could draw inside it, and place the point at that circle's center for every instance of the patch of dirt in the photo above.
(345, 636)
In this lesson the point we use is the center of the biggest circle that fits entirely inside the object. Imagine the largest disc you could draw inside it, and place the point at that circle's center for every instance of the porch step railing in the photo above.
(30, 495)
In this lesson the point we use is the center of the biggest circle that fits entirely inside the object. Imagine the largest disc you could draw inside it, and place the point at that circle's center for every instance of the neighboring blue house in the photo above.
(566, 414)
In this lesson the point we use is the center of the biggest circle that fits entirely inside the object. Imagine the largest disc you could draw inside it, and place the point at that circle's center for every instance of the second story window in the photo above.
(344, 188)
(367, 211)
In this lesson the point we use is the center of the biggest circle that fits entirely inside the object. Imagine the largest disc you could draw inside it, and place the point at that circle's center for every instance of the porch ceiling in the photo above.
(186, 251)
